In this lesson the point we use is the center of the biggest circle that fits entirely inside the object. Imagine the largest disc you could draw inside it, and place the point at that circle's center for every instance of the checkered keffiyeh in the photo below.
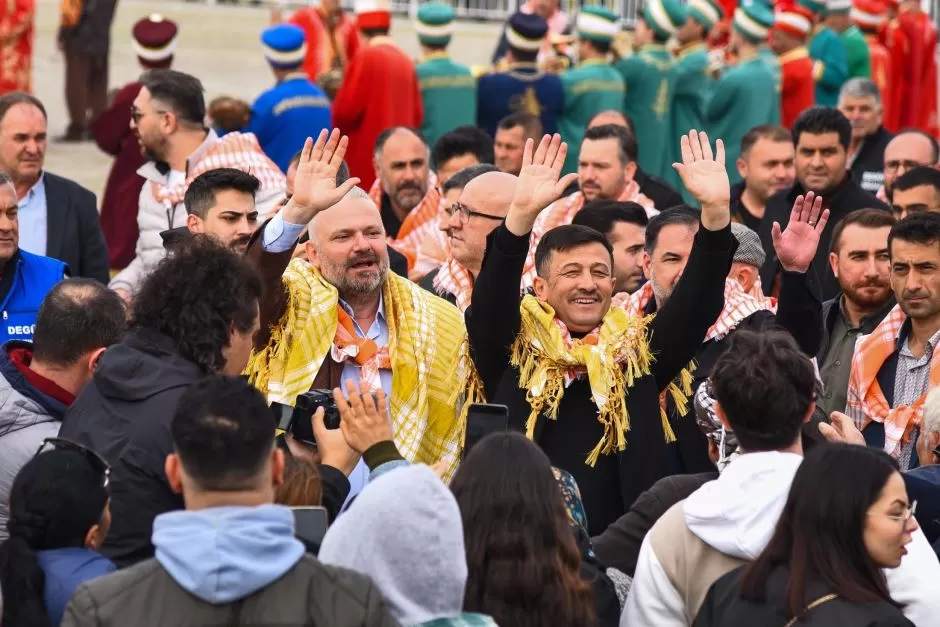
(738, 306)
(419, 225)
(563, 211)
(236, 150)
(866, 402)
(434, 250)
(454, 279)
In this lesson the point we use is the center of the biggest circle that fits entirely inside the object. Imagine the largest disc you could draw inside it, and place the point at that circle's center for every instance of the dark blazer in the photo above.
(74, 230)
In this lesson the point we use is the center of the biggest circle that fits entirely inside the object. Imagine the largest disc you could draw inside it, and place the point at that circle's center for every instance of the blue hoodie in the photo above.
(65, 570)
(223, 554)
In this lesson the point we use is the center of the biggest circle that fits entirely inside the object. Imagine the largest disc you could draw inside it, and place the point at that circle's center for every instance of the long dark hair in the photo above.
(55, 499)
(522, 559)
(820, 534)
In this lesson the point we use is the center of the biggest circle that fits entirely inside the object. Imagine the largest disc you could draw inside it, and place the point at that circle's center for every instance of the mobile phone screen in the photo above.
(482, 420)
(310, 524)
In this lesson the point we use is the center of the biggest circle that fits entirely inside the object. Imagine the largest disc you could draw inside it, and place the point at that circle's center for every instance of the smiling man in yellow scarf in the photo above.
(341, 315)
(579, 377)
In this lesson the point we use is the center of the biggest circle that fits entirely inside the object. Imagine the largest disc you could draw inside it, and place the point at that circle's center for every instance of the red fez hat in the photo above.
(155, 40)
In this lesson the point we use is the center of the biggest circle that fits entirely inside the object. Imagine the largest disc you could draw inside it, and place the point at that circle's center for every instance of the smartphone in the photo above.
(310, 524)
(482, 420)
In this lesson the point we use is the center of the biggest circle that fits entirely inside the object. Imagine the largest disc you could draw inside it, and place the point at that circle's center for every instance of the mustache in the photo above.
(361, 258)
(408, 185)
(241, 240)
(913, 294)
(584, 294)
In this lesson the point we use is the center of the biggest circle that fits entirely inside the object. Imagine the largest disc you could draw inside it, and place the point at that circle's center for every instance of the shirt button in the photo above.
(828, 394)
(838, 363)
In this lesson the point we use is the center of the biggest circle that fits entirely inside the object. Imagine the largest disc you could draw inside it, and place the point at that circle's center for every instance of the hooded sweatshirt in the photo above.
(405, 531)
(223, 554)
(728, 522)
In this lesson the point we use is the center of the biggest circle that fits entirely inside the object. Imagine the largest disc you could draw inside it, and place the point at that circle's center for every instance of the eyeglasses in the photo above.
(894, 164)
(137, 114)
(906, 516)
(97, 462)
(465, 212)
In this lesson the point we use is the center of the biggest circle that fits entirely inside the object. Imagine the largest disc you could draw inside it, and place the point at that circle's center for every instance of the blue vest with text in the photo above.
(35, 276)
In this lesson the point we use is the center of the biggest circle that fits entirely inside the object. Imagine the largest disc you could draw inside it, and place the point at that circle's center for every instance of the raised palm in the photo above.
(796, 246)
(539, 185)
(703, 173)
(315, 186)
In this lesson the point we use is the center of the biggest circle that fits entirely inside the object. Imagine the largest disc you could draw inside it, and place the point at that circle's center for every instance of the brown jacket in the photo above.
(310, 593)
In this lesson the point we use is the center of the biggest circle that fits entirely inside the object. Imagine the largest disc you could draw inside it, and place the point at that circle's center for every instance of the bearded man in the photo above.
(340, 315)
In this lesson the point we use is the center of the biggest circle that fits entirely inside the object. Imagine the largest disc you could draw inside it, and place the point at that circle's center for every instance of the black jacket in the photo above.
(619, 545)
(845, 199)
(493, 322)
(868, 168)
(724, 608)
(74, 230)
(427, 282)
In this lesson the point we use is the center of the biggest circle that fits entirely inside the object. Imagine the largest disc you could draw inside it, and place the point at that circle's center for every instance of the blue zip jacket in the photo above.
(33, 277)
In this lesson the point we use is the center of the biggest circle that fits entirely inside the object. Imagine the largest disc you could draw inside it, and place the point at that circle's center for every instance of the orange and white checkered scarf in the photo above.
(236, 150)
(453, 278)
(738, 306)
(563, 211)
(866, 402)
(420, 223)
(348, 346)
(434, 250)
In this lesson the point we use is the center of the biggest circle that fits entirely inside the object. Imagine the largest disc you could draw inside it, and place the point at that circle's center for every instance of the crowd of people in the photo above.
(384, 348)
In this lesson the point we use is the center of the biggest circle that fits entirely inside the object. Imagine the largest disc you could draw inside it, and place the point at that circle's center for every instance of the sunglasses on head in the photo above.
(97, 462)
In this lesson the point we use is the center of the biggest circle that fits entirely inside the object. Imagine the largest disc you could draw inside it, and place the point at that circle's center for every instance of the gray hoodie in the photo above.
(404, 530)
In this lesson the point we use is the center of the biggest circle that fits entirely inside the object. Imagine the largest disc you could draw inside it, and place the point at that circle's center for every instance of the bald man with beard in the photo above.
(332, 318)
(482, 207)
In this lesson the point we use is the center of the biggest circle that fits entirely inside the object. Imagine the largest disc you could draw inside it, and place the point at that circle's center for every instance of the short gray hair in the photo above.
(355, 192)
(860, 88)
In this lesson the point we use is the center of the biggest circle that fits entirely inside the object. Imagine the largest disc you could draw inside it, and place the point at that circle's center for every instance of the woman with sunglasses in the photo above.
(847, 518)
(59, 516)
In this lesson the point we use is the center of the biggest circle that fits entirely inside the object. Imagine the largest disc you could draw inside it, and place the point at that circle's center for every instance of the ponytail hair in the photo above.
(55, 499)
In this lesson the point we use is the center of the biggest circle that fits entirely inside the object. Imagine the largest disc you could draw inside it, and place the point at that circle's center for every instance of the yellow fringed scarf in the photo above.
(427, 348)
(616, 354)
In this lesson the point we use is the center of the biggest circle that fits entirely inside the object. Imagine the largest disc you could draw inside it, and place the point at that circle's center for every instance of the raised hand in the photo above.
(539, 184)
(796, 246)
(704, 175)
(315, 184)
(363, 420)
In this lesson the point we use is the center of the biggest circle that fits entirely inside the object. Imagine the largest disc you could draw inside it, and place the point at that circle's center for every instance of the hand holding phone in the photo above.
(310, 525)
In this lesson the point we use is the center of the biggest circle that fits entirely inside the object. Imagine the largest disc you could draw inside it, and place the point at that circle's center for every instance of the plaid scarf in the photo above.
(236, 150)
(453, 278)
(613, 356)
(434, 250)
(866, 402)
(427, 352)
(419, 225)
(348, 346)
(563, 211)
(738, 306)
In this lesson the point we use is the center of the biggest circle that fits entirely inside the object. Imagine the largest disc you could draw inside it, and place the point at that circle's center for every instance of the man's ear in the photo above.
(193, 223)
(174, 473)
(741, 165)
(94, 357)
(540, 286)
(277, 466)
(647, 262)
(312, 255)
(834, 264)
(720, 412)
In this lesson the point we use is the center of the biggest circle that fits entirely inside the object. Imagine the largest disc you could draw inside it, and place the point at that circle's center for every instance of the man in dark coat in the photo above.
(821, 136)
(860, 102)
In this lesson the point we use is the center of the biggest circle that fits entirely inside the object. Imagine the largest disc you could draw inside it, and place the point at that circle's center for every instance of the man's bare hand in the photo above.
(796, 246)
(315, 184)
(704, 175)
(334, 450)
(539, 184)
(842, 430)
(364, 421)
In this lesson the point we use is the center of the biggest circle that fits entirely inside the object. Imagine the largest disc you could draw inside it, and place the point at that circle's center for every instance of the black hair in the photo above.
(865, 218)
(384, 135)
(934, 145)
(222, 433)
(196, 296)
(765, 386)
(8, 101)
(200, 195)
(531, 124)
(435, 47)
(77, 316)
(820, 533)
(375, 32)
(180, 92)
(626, 140)
(772, 132)
(602, 47)
(820, 120)
(523, 56)
(55, 499)
(915, 177)
(564, 238)
(922, 227)
(460, 179)
(463, 140)
(680, 214)
(603, 215)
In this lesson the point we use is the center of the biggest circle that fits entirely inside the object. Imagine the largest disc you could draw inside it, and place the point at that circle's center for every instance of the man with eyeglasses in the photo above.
(909, 149)
(167, 118)
(39, 380)
(915, 191)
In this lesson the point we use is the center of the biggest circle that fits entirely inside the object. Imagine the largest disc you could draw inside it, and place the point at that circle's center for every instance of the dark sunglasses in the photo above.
(97, 462)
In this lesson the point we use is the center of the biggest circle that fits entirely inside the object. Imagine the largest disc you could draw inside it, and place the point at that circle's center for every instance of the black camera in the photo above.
(296, 420)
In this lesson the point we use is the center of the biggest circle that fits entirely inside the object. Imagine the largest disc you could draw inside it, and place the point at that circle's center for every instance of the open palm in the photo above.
(539, 185)
(315, 186)
(796, 246)
(703, 173)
